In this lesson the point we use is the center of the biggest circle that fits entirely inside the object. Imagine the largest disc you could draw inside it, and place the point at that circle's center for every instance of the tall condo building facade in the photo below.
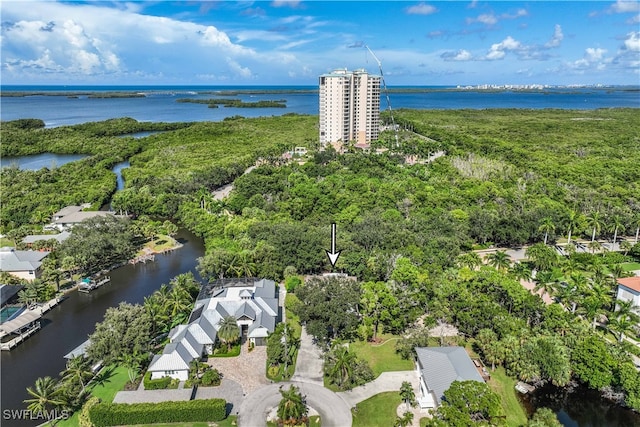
(349, 107)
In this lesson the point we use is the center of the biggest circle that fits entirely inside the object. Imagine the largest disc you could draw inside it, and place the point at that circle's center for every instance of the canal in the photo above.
(69, 324)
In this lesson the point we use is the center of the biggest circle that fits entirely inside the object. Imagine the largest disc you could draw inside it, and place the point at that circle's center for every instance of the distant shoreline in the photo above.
(106, 92)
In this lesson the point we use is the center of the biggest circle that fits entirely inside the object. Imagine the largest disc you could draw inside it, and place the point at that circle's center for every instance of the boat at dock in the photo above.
(27, 323)
(87, 285)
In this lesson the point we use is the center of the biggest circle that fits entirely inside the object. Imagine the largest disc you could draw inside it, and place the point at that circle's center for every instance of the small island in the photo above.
(215, 102)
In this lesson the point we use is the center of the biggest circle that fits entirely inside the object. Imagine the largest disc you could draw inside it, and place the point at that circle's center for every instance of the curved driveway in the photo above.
(333, 410)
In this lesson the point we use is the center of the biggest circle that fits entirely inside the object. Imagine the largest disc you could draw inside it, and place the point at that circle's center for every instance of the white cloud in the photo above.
(594, 54)
(632, 42)
(557, 37)
(460, 55)
(499, 50)
(490, 19)
(243, 72)
(90, 39)
(286, 3)
(622, 6)
(421, 9)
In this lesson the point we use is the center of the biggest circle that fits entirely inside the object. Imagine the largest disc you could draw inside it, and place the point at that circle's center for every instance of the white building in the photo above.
(349, 107)
(22, 264)
(253, 303)
(629, 290)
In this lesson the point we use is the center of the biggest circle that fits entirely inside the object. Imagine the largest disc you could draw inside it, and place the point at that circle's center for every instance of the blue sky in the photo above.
(292, 42)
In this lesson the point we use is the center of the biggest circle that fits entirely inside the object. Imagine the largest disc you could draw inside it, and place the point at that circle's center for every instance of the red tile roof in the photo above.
(631, 283)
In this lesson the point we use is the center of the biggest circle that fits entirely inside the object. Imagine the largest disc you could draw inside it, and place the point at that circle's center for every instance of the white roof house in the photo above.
(253, 303)
(22, 264)
(438, 367)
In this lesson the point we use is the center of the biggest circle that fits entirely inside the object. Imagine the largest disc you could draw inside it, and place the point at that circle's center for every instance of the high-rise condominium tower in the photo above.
(349, 107)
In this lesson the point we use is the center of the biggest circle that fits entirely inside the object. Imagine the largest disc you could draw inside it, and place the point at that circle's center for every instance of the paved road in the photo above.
(333, 410)
(310, 364)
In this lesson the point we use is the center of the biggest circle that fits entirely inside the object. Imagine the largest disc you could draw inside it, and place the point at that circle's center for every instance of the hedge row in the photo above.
(116, 414)
(157, 384)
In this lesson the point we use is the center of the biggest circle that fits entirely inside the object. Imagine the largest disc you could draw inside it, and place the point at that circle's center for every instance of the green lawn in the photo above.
(504, 386)
(377, 411)
(631, 266)
(382, 357)
(114, 380)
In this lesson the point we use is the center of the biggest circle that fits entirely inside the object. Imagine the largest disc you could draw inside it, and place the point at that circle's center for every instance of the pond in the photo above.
(581, 407)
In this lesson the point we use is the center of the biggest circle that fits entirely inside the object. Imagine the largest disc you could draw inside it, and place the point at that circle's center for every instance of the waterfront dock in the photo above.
(88, 285)
(25, 325)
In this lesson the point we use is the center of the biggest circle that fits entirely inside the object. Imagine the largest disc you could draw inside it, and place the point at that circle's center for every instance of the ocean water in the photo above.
(159, 103)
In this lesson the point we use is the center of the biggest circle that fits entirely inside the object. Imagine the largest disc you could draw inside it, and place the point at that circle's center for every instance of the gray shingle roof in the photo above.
(440, 366)
(12, 260)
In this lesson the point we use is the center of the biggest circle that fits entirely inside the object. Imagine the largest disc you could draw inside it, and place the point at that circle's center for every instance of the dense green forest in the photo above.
(405, 228)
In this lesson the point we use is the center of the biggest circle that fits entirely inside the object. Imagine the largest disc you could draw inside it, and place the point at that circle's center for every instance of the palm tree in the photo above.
(596, 222)
(405, 420)
(591, 308)
(626, 246)
(340, 366)
(45, 394)
(499, 259)
(543, 257)
(616, 225)
(546, 227)
(292, 409)
(623, 325)
(548, 280)
(228, 330)
(470, 259)
(178, 301)
(407, 394)
(568, 294)
(574, 222)
(636, 223)
(625, 320)
(521, 271)
(594, 245)
(78, 369)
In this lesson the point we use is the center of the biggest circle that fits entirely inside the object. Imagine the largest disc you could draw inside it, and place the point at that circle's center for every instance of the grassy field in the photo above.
(377, 411)
(114, 381)
(631, 266)
(504, 387)
(382, 357)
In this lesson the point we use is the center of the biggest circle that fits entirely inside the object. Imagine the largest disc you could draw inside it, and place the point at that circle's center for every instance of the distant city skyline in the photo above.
(294, 42)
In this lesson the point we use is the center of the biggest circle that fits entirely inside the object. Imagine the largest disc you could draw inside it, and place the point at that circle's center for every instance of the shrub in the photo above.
(83, 417)
(157, 384)
(292, 282)
(211, 377)
(114, 414)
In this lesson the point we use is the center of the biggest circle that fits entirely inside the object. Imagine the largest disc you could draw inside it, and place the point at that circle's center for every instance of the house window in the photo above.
(169, 372)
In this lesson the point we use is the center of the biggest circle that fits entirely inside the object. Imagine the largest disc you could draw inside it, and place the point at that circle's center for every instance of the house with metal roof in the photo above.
(22, 264)
(253, 303)
(437, 368)
(32, 238)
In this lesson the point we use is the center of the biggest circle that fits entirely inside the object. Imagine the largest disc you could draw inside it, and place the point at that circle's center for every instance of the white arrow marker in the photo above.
(333, 255)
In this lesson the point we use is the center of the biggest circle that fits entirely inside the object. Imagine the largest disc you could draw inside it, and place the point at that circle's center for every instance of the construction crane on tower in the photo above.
(386, 93)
